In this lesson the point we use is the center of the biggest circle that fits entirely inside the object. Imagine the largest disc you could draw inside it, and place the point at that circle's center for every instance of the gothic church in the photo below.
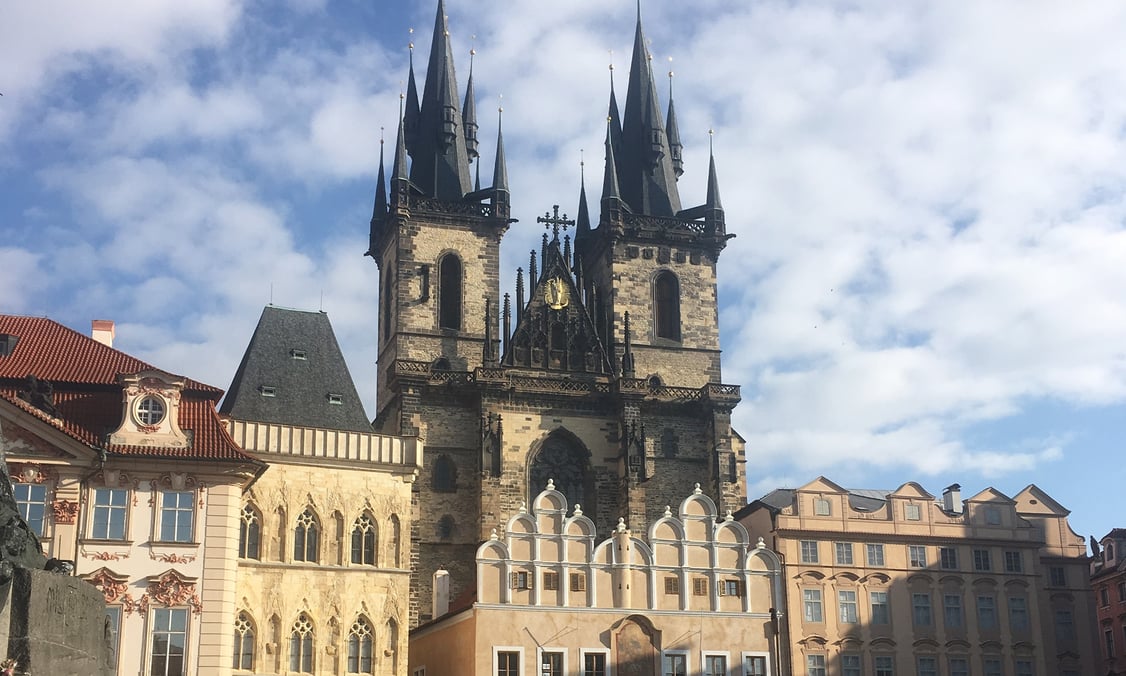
(600, 372)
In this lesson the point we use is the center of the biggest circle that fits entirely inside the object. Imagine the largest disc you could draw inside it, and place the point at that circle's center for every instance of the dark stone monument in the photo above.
(51, 624)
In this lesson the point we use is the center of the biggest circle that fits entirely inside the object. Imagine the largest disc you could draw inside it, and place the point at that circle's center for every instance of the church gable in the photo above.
(554, 331)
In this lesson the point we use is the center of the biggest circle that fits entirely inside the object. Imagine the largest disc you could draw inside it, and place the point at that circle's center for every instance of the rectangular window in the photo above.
(982, 560)
(986, 612)
(1018, 613)
(672, 584)
(815, 665)
(881, 613)
(754, 665)
(1013, 562)
(811, 600)
(952, 610)
(917, 556)
(850, 665)
(578, 582)
(885, 665)
(169, 640)
(844, 553)
(110, 508)
(674, 664)
(1108, 642)
(113, 616)
(821, 507)
(1057, 576)
(550, 581)
(594, 664)
(809, 551)
(992, 666)
(921, 609)
(337, 399)
(1065, 626)
(177, 509)
(298, 354)
(927, 665)
(1024, 668)
(520, 580)
(551, 663)
(846, 600)
(948, 558)
(699, 586)
(875, 555)
(992, 516)
(31, 502)
(912, 512)
(731, 588)
(959, 666)
(1104, 596)
(508, 663)
(268, 391)
(421, 671)
(715, 665)
(1122, 592)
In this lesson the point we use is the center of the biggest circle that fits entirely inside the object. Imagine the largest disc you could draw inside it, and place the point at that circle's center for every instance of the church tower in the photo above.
(598, 375)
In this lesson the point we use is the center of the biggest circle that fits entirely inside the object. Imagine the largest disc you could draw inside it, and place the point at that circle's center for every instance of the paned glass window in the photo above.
(921, 609)
(31, 502)
(177, 512)
(307, 537)
(110, 508)
(1013, 562)
(1018, 613)
(244, 642)
(850, 665)
(881, 613)
(363, 541)
(948, 558)
(986, 612)
(594, 664)
(846, 600)
(809, 551)
(844, 553)
(927, 665)
(715, 665)
(301, 645)
(113, 615)
(169, 639)
(952, 610)
(674, 664)
(508, 663)
(360, 643)
(815, 665)
(982, 560)
(885, 665)
(811, 599)
(754, 665)
(875, 555)
(250, 534)
(917, 556)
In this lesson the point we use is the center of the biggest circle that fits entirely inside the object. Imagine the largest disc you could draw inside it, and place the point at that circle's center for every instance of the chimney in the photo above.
(102, 331)
(440, 594)
(952, 499)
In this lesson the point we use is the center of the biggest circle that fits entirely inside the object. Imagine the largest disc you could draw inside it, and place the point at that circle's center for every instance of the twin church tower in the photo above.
(599, 372)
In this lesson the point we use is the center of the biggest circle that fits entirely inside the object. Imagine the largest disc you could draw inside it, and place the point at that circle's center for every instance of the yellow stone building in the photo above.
(896, 582)
(693, 597)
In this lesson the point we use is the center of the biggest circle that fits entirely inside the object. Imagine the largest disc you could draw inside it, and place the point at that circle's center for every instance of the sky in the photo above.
(928, 281)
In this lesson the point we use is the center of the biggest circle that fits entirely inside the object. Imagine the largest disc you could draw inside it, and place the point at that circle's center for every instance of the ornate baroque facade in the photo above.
(601, 371)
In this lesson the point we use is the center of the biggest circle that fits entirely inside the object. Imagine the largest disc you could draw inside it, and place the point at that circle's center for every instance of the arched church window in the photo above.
(301, 645)
(566, 464)
(449, 292)
(446, 528)
(360, 640)
(666, 301)
(307, 537)
(250, 533)
(244, 642)
(445, 475)
(364, 541)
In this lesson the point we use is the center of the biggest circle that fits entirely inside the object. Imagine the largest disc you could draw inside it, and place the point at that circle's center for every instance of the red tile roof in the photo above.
(87, 396)
(51, 351)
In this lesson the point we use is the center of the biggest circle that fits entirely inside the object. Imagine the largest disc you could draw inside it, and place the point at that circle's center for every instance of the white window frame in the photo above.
(869, 548)
(704, 654)
(558, 650)
(687, 660)
(116, 632)
(149, 629)
(23, 506)
(497, 649)
(754, 653)
(158, 522)
(824, 661)
(583, 652)
(127, 508)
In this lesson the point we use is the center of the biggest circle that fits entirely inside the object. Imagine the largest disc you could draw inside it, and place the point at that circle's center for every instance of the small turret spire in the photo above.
(676, 148)
(469, 113)
(610, 188)
(380, 210)
(501, 206)
(713, 201)
(582, 221)
(412, 114)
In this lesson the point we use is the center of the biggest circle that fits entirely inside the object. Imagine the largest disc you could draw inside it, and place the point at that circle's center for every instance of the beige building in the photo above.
(324, 542)
(127, 471)
(693, 597)
(897, 582)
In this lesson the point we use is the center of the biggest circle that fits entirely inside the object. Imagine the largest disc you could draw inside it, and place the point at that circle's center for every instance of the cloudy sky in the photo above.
(929, 277)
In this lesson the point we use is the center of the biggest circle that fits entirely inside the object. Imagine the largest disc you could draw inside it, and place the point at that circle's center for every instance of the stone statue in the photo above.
(1095, 553)
(19, 545)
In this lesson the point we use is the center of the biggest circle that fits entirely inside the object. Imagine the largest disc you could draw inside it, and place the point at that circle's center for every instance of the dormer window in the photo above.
(337, 399)
(992, 515)
(149, 410)
(821, 507)
(912, 512)
(297, 354)
(268, 391)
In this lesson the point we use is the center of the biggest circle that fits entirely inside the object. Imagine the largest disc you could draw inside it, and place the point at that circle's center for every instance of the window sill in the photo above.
(105, 541)
(176, 545)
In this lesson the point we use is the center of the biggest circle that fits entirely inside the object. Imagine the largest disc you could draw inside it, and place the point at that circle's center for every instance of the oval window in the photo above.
(150, 410)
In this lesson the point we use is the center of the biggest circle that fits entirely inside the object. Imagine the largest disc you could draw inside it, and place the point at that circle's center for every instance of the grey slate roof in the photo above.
(301, 387)
(862, 499)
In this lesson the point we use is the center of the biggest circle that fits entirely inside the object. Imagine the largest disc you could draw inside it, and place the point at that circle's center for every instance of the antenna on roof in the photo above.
(322, 300)
(271, 293)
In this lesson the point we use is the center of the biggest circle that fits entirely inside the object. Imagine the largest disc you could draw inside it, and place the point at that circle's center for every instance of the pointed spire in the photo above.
(610, 188)
(648, 178)
(713, 201)
(613, 114)
(582, 221)
(380, 209)
(489, 354)
(412, 114)
(501, 205)
(399, 165)
(507, 321)
(533, 276)
(676, 148)
(469, 114)
(519, 294)
(440, 166)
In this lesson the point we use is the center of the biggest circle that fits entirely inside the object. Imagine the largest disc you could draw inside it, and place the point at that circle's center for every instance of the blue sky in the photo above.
(929, 277)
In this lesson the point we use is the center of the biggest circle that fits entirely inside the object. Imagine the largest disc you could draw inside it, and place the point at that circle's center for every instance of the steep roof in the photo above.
(87, 396)
(295, 353)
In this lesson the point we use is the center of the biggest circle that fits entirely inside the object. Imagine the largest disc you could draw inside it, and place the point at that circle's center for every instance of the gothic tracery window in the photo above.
(449, 292)
(250, 534)
(666, 306)
(363, 541)
(306, 537)
(566, 464)
(360, 641)
(301, 645)
(244, 642)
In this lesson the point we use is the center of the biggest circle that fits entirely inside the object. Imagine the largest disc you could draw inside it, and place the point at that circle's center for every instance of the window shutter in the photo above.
(514, 581)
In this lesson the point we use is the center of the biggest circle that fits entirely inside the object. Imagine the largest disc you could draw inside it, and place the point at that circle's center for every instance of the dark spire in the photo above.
(440, 166)
(610, 188)
(400, 183)
(519, 294)
(379, 211)
(488, 349)
(648, 178)
(713, 201)
(507, 321)
(613, 114)
(469, 114)
(411, 114)
(582, 221)
(676, 148)
(501, 206)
